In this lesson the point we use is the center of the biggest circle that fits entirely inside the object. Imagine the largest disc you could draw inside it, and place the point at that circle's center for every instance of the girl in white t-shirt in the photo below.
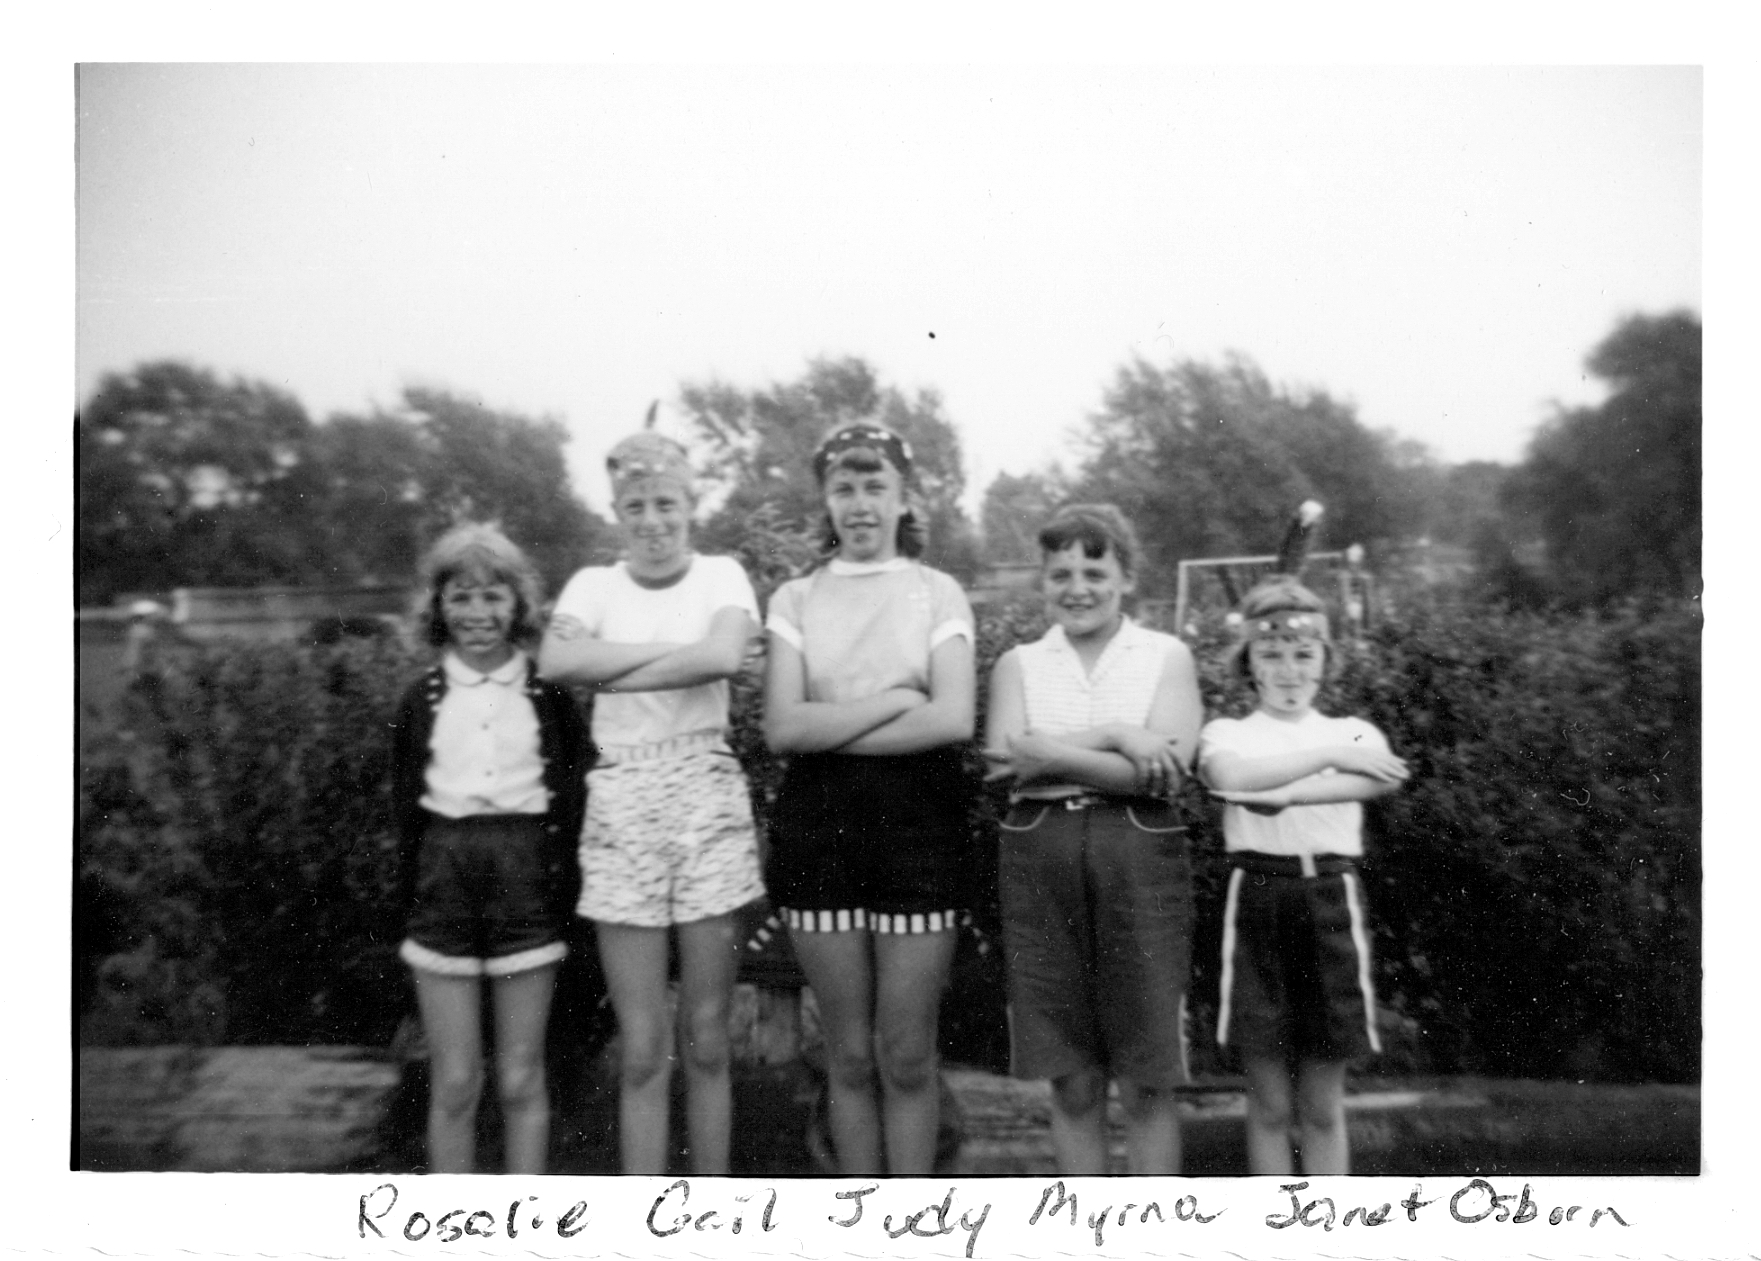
(1296, 999)
(869, 691)
(668, 845)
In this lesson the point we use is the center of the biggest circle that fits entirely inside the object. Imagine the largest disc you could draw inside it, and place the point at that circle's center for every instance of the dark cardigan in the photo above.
(563, 747)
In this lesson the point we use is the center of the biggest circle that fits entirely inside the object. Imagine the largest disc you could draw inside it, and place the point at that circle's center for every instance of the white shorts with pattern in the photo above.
(668, 841)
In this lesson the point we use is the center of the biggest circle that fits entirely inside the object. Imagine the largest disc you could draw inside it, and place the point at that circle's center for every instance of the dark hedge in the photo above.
(1535, 889)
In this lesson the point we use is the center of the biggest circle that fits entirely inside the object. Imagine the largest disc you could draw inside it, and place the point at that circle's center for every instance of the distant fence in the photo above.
(112, 639)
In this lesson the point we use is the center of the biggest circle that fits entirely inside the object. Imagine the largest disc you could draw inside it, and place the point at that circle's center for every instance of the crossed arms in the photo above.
(1114, 757)
(570, 654)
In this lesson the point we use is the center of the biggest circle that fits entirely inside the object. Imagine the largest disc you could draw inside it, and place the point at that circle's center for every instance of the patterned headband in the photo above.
(894, 449)
(1287, 624)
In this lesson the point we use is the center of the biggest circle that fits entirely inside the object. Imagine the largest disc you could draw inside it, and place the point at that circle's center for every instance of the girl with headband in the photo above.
(1297, 1002)
(869, 692)
(669, 846)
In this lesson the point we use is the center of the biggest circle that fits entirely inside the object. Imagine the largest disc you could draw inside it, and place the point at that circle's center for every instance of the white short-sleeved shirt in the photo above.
(483, 755)
(616, 608)
(1332, 828)
(862, 629)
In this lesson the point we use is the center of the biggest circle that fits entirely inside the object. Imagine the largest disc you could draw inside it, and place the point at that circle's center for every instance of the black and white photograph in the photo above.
(1131, 631)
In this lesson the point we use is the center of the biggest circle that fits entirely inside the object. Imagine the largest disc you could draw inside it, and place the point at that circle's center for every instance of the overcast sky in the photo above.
(1441, 246)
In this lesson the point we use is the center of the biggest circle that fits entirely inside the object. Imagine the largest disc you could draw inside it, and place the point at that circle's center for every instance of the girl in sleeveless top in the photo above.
(1094, 726)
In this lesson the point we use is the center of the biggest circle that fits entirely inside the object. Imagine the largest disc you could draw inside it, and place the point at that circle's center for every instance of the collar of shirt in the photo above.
(1124, 639)
(855, 569)
(508, 674)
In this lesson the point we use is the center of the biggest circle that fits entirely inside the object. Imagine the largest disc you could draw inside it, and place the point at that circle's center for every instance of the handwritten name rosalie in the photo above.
(692, 1213)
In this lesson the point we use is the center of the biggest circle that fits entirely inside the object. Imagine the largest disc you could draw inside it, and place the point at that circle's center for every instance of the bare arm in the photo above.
(794, 724)
(947, 718)
(720, 654)
(1235, 772)
(1113, 757)
(1314, 790)
(570, 654)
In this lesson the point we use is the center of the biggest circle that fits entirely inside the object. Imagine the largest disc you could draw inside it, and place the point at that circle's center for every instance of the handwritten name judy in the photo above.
(675, 1213)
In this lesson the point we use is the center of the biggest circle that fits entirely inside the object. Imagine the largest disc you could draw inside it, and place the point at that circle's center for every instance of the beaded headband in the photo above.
(1286, 623)
(894, 449)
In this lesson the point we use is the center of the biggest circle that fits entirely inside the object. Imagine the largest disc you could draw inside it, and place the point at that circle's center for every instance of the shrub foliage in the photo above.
(1535, 889)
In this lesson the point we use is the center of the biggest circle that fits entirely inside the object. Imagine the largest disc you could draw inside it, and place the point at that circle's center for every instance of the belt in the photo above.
(1089, 801)
(1076, 800)
(708, 739)
(1307, 865)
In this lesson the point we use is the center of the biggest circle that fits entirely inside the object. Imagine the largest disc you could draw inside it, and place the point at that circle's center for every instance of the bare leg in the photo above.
(911, 970)
(1079, 1122)
(1268, 1117)
(522, 1010)
(635, 962)
(1320, 1116)
(708, 958)
(1152, 1129)
(840, 969)
(452, 1018)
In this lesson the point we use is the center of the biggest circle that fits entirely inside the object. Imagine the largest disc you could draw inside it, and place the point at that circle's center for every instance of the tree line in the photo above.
(186, 479)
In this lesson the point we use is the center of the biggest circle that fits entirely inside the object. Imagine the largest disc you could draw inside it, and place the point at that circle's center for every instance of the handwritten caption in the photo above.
(685, 1212)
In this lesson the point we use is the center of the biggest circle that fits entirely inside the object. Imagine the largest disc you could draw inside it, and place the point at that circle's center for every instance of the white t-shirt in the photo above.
(617, 609)
(862, 629)
(1333, 828)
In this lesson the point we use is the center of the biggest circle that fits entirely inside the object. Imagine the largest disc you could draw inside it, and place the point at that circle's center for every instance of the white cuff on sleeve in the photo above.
(789, 633)
(953, 628)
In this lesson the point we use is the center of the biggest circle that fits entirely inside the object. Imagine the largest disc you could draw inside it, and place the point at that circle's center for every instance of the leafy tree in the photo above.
(185, 479)
(755, 450)
(393, 480)
(1210, 460)
(1013, 510)
(1614, 490)
(1462, 501)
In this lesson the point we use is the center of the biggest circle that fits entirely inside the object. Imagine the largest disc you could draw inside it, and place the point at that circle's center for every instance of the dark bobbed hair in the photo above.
(912, 535)
(1276, 595)
(480, 554)
(1099, 528)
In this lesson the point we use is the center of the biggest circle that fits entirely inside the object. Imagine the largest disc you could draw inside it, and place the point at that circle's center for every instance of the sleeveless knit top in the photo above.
(1063, 698)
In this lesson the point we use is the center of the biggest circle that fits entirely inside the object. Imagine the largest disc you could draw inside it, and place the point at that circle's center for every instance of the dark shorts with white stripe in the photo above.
(1296, 975)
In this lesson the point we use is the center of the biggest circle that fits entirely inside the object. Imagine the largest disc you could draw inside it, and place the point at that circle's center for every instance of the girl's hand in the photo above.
(1031, 756)
(1152, 757)
(1374, 763)
(1261, 801)
(1001, 765)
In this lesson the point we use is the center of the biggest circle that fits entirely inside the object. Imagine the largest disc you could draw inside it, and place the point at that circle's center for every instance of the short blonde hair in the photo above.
(481, 554)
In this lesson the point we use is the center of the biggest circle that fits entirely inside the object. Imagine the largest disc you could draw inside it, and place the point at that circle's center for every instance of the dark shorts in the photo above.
(484, 903)
(889, 836)
(1097, 934)
(1296, 978)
